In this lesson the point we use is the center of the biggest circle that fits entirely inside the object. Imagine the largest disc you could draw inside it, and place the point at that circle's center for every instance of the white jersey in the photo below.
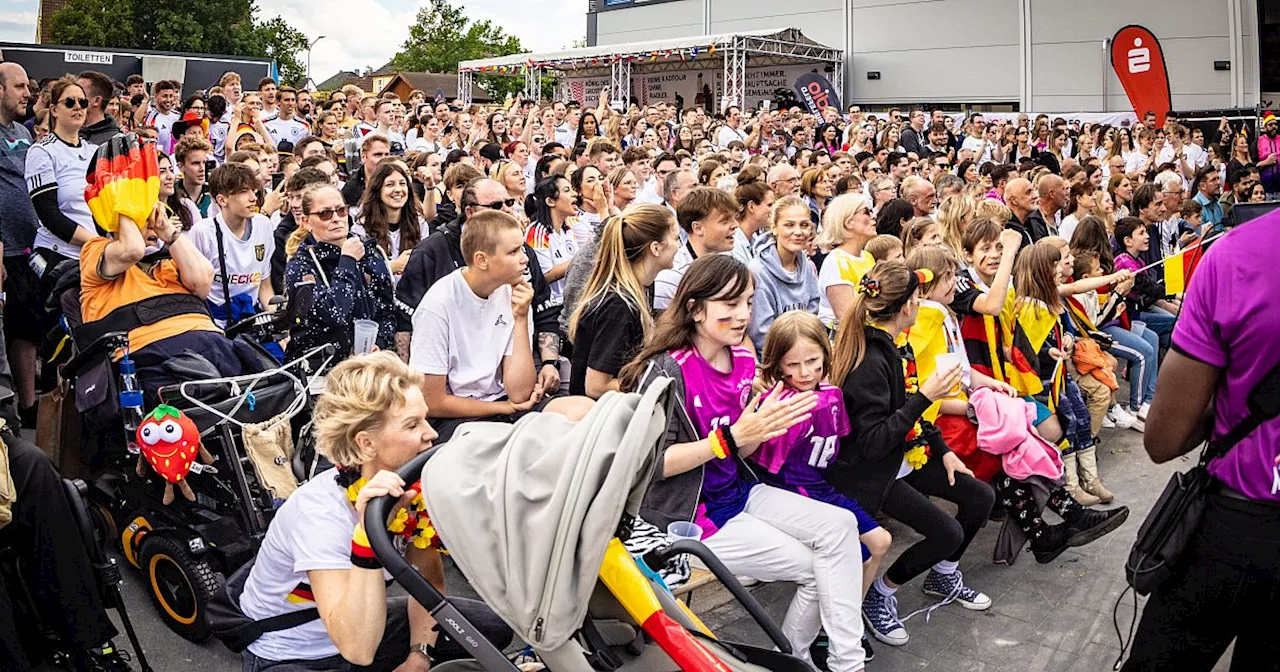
(291, 130)
(218, 138)
(163, 121)
(52, 164)
(248, 260)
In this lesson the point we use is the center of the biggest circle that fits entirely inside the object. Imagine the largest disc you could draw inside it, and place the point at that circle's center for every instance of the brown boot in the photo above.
(1073, 482)
(1089, 480)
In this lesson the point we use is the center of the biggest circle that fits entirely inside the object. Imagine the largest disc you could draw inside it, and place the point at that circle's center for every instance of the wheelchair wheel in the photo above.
(180, 585)
(105, 532)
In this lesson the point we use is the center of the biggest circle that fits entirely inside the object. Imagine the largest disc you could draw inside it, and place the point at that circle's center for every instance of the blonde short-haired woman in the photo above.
(371, 419)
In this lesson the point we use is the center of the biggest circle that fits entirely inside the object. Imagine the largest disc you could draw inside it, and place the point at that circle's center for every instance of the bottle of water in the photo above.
(130, 403)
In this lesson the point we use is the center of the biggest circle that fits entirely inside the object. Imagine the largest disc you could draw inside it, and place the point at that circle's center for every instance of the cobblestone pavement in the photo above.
(1055, 617)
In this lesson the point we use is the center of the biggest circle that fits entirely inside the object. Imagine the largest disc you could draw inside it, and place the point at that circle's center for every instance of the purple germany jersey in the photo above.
(715, 399)
(797, 459)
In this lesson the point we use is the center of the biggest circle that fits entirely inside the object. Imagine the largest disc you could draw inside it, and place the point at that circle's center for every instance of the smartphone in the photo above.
(276, 179)
(764, 106)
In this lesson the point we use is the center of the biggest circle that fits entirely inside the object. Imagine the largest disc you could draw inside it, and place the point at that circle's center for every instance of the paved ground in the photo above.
(1055, 617)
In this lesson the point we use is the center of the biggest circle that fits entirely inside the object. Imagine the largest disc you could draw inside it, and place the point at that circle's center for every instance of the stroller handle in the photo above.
(451, 621)
(730, 582)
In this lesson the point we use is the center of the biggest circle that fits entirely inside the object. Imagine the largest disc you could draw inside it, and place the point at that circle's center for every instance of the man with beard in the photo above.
(1268, 155)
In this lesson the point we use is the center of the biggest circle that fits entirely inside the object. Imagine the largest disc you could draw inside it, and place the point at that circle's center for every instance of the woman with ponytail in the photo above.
(613, 317)
(756, 530)
(892, 460)
(552, 221)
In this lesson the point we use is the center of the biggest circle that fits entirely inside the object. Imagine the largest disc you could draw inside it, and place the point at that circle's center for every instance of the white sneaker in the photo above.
(1139, 426)
(1108, 423)
(1121, 417)
(1142, 411)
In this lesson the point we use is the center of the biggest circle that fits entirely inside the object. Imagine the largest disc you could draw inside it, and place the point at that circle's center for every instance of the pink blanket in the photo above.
(1005, 428)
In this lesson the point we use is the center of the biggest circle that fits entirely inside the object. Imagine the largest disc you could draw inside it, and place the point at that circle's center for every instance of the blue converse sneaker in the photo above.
(881, 616)
(951, 588)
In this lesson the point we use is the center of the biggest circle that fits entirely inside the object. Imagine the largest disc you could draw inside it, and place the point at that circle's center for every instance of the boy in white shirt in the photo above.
(238, 242)
(473, 335)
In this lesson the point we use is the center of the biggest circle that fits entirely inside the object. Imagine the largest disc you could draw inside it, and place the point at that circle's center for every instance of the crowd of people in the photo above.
(860, 311)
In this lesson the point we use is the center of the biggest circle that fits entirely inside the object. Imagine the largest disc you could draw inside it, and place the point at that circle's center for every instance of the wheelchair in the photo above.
(185, 549)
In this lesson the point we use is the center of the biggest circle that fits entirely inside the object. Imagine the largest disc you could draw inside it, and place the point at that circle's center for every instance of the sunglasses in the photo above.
(326, 215)
(496, 205)
(72, 103)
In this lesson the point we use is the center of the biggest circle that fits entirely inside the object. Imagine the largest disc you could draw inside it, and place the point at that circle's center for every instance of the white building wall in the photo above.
(1038, 54)
(658, 21)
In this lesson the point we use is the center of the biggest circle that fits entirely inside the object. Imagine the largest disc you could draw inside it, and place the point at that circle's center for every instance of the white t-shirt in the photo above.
(464, 337)
(54, 165)
(292, 130)
(311, 532)
(651, 192)
(664, 286)
(839, 268)
(973, 144)
(248, 259)
(1134, 160)
(728, 135)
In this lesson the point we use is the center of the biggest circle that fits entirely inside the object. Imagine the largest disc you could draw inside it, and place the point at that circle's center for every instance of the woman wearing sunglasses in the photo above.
(55, 174)
(334, 278)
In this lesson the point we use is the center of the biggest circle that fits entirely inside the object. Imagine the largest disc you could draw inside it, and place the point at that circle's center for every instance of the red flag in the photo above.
(1139, 63)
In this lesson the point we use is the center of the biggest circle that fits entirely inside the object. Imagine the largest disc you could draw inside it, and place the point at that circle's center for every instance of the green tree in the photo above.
(442, 36)
(226, 27)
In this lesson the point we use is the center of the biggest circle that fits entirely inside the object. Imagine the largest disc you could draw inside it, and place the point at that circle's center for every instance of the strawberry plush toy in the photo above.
(170, 442)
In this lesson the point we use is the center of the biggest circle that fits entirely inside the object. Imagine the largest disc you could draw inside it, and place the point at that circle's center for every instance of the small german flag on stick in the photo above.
(123, 179)
(1179, 266)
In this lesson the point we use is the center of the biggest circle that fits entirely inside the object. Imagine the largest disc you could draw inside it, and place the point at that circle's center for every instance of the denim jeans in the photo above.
(1140, 347)
(1160, 321)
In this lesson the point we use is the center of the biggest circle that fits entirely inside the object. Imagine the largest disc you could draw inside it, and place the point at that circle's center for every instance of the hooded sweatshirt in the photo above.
(779, 290)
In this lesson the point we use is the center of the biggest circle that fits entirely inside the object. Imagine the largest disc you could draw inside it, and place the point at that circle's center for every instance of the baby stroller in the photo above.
(533, 513)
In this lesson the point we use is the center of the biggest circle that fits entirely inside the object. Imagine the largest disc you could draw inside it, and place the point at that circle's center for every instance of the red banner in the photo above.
(1139, 63)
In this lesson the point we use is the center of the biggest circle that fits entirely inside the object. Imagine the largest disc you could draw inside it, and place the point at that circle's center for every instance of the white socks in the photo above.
(881, 587)
(946, 567)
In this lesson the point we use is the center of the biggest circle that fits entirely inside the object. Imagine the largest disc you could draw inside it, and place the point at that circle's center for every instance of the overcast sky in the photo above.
(360, 33)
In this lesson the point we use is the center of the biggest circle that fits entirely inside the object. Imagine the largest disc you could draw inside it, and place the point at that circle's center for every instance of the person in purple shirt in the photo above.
(1223, 345)
(756, 530)
(797, 353)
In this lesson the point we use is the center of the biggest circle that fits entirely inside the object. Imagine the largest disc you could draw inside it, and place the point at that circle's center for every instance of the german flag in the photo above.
(986, 337)
(1179, 266)
(123, 179)
(301, 594)
(1033, 326)
(1079, 316)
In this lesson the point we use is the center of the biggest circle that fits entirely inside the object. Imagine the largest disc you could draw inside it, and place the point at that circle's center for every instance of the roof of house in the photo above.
(428, 82)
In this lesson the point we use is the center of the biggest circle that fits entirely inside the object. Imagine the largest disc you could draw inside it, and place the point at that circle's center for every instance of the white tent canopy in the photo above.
(765, 47)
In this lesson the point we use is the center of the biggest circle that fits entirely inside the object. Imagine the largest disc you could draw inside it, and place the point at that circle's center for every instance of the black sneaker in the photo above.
(105, 659)
(1051, 544)
(820, 649)
(1092, 524)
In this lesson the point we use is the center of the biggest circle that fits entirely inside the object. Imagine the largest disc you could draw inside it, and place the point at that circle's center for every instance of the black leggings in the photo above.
(945, 538)
(1227, 585)
(1016, 497)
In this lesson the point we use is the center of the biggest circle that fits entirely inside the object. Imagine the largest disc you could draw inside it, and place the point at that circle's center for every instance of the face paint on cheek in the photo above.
(724, 323)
